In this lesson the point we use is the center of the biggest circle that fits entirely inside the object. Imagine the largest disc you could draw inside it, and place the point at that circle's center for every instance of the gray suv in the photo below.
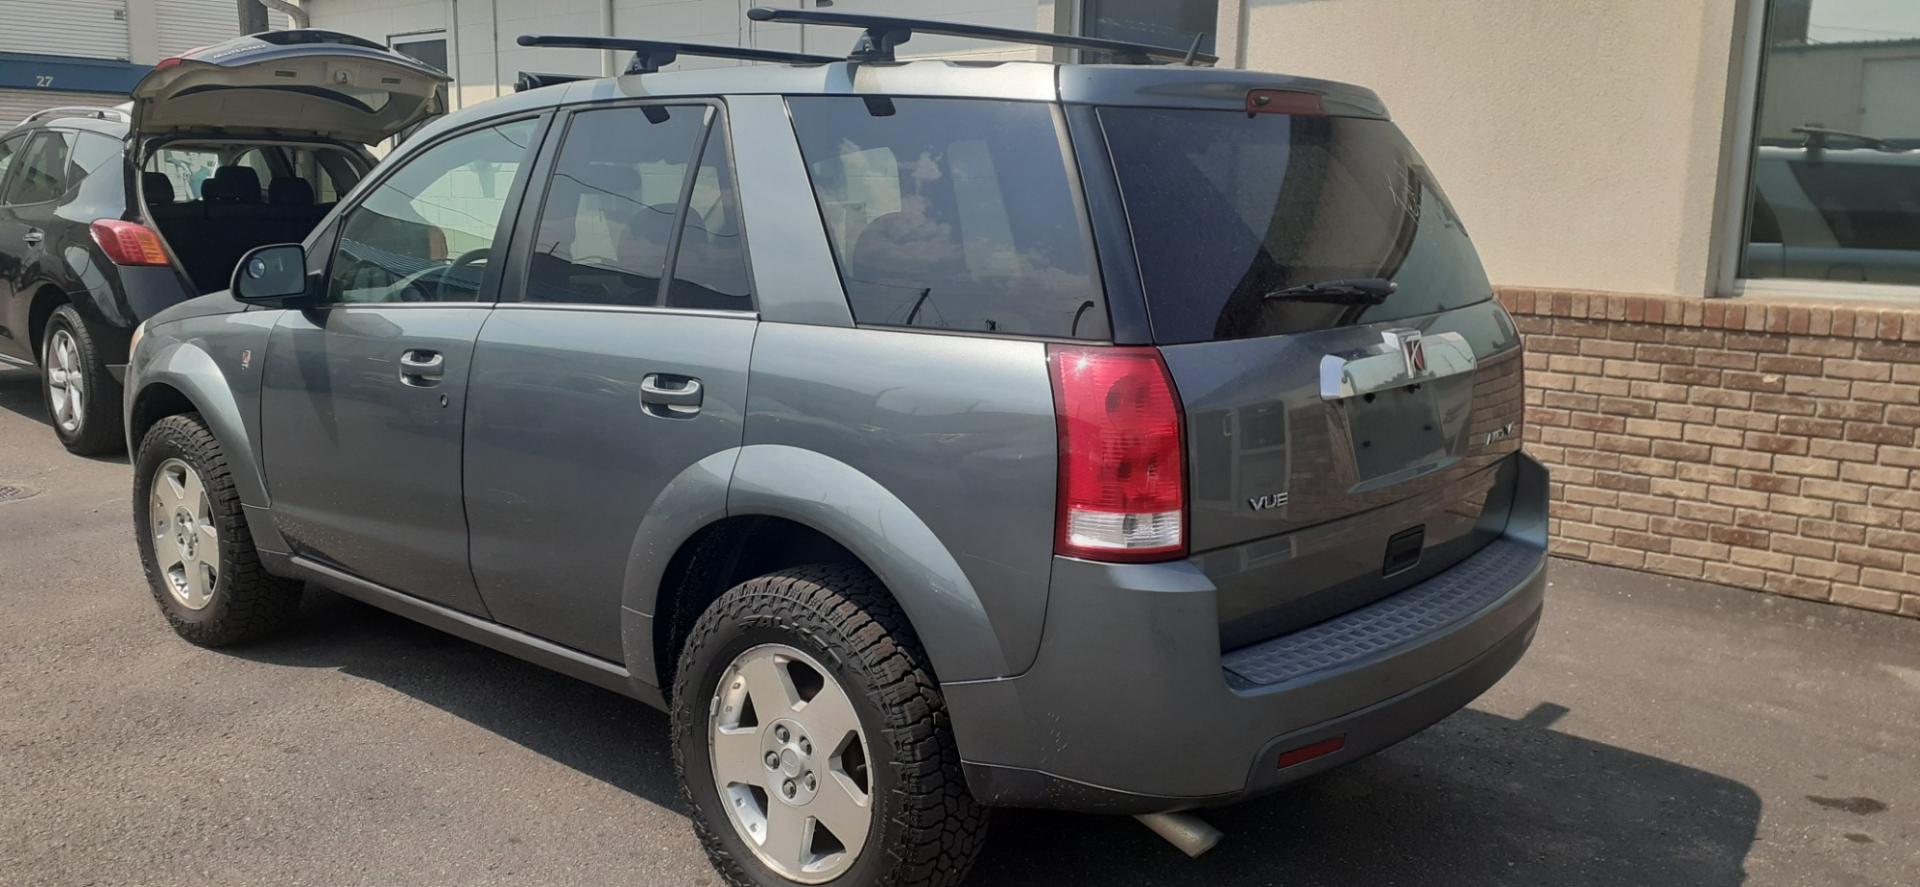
(924, 436)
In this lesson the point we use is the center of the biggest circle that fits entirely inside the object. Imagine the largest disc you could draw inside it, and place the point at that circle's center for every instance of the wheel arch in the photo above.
(180, 378)
(784, 506)
(46, 300)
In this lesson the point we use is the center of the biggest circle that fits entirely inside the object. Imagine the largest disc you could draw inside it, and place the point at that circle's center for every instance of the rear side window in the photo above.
(954, 214)
(1230, 209)
(619, 189)
(42, 173)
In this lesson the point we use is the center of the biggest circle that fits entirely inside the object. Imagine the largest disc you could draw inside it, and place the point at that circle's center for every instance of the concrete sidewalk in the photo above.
(1659, 733)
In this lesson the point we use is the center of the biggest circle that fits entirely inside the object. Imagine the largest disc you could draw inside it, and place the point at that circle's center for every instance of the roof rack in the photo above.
(650, 55)
(98, 113)
(884, 32)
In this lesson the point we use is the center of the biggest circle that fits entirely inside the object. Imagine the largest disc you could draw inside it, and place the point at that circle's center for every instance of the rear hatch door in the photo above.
(304, 83)
(1352, 393)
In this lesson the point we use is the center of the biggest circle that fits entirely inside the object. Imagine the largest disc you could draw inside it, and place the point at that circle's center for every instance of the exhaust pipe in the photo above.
(1193, 835)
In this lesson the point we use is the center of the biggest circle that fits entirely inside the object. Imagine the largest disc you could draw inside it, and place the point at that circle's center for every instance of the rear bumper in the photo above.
(1119, 714)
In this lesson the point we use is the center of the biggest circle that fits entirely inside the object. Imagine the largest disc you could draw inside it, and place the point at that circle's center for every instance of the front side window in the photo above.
(1835, 186)
(954, 214)
(42, 175)
(426, 233)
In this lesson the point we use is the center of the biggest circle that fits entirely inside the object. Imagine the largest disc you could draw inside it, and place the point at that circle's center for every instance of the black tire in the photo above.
(100, 428)
(927, 829)
(246, 602)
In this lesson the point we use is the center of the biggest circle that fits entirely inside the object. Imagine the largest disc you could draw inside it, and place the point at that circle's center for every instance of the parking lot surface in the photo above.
(1659, 733)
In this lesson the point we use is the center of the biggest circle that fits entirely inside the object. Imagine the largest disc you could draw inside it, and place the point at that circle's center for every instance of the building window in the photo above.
(1835, 186)
(1159, 22)
(428, 48)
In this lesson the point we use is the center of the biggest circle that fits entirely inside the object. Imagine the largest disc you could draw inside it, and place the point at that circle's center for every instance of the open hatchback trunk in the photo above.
(304, 83)
(252, 141)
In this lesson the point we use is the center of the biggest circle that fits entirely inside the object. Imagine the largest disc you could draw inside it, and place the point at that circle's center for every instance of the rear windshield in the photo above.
(955, 214)
(1227, 209)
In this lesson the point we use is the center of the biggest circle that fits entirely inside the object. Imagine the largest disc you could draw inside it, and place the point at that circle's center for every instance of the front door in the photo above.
(35, 166)
(363, 398)
(618, 364)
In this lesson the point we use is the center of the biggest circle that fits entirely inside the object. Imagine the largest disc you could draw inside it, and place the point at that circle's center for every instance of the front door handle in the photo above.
(422, 368)
(34, 235)
(670, 397)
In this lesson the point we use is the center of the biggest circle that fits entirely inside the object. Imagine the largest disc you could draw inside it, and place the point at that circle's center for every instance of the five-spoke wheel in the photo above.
(66, 384)
(186, 542)
(790, 761)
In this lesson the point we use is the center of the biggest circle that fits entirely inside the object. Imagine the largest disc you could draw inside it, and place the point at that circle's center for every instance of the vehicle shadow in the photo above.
(20, 395)
(1477, 800)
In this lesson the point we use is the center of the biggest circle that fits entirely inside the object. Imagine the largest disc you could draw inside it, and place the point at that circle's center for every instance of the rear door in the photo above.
(364, 397)
(1346, 440)
(617, 361)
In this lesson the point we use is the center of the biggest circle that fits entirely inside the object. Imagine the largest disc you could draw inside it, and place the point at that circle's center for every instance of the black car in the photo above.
(108, 215)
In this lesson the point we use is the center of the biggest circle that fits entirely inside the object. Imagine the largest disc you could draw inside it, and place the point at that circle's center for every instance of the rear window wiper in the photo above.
(1357, 291)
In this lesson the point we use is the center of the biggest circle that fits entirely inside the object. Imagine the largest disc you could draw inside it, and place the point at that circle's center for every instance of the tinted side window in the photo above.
(426, 232)
(952, 213)
(710, 268)
(92, 152)
(42, 175)
(607, 223)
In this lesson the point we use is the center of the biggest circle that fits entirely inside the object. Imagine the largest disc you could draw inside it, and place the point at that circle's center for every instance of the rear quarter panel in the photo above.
(932, 457)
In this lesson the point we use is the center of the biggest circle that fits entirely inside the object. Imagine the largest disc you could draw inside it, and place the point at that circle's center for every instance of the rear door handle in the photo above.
(34, 235)
(669, 396)
(422, 368)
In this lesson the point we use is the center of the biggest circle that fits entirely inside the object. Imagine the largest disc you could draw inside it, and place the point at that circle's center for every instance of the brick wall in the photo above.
(1761, 445)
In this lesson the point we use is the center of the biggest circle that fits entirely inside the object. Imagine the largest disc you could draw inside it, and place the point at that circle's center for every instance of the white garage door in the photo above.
(1890, 99)
(16, 104)
(190, 24)
(87, 28)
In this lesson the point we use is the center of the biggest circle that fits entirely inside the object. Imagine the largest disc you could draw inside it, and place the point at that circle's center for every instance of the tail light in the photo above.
(129, 243)
(1122, 494)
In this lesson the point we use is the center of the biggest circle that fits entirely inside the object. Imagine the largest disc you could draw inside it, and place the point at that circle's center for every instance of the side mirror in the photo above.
(272, 275)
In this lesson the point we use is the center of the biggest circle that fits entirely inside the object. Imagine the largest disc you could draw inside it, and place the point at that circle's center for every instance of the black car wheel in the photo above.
(82, 398)
(194, 543)
(812, 742)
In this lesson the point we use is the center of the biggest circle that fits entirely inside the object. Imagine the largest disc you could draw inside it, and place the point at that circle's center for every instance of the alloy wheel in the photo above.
(791, 764)
(186, 544)
(66, 380)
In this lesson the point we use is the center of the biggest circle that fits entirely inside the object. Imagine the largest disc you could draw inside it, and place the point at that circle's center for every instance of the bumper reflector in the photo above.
(1305, 753)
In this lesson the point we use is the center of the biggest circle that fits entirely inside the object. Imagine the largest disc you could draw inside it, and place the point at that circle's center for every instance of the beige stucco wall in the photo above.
(1582, 140)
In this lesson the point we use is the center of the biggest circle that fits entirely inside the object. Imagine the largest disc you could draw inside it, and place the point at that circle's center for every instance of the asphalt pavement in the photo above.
(1658, 733)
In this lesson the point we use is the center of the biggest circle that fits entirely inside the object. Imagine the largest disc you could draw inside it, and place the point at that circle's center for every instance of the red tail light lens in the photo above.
(1122, 491)
(129, 243)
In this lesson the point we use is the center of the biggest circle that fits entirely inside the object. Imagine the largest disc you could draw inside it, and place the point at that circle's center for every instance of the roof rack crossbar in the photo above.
(650, 55)
(96, 112)
(884, 32)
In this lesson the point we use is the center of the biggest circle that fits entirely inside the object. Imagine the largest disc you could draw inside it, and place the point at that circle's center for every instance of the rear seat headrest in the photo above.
(158, 188)
(290, 192)
(232, 184)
